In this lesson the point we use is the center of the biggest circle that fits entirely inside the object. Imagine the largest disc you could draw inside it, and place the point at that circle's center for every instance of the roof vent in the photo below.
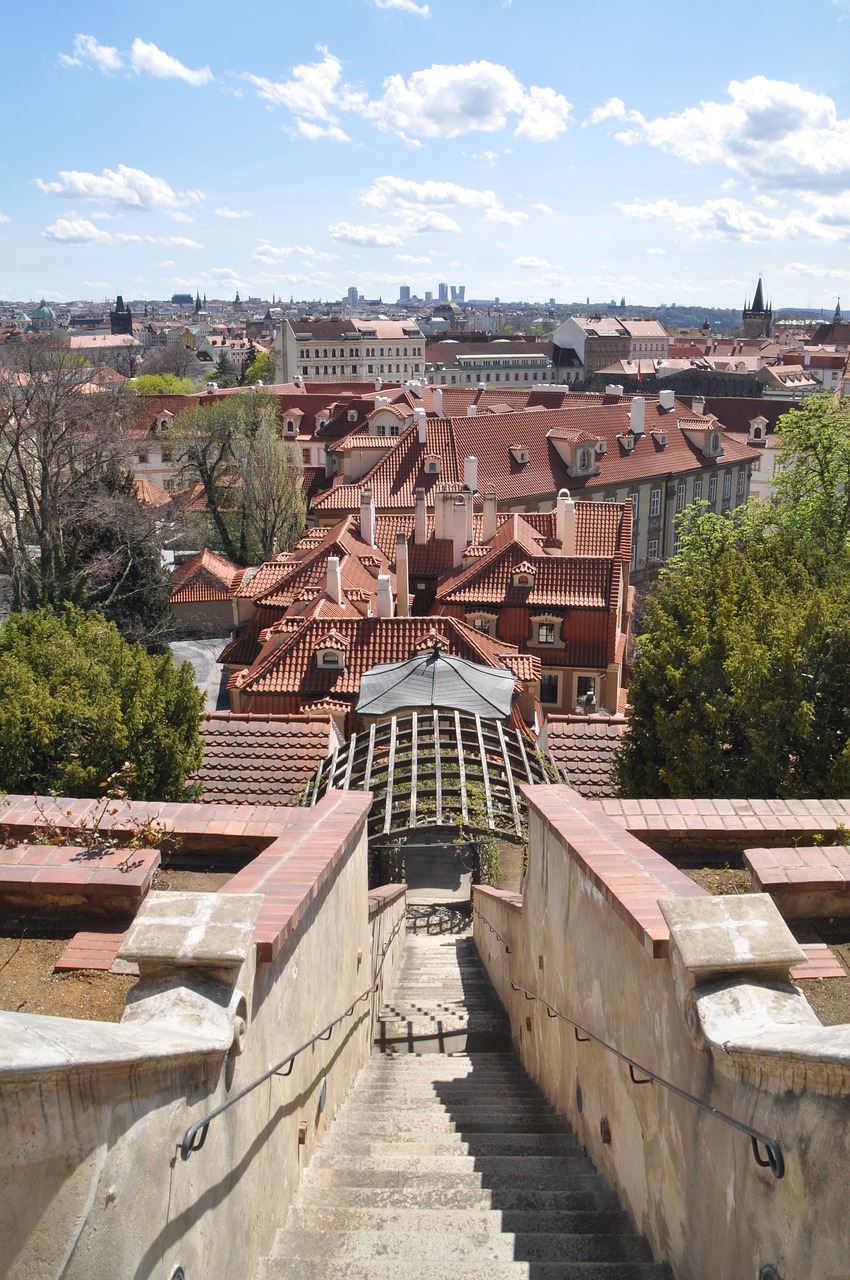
(614, 389)
(627, 443)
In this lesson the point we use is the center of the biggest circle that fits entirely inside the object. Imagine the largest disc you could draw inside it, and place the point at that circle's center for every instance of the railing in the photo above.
(484, 920)
(196, 1135)
(773, 1158)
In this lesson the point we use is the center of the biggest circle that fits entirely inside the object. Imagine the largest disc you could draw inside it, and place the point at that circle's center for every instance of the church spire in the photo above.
(758, 300)
(836, 319)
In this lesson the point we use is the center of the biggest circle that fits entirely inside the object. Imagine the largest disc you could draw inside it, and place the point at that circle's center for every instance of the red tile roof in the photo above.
(207, 576)
(260, 759)
(583, 748)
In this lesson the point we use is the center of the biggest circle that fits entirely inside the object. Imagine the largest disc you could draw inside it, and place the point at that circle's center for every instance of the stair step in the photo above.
(338, 1246)
(412, 1268)
(353, 1218)
(354, 1147)
(591, 1195)
(434, 1174)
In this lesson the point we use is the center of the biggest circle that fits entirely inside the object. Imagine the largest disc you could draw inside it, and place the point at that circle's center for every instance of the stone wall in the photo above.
(695, 990)
(92, 1179)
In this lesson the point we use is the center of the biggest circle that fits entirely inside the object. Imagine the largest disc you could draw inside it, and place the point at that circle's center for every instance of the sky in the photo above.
(528, 149)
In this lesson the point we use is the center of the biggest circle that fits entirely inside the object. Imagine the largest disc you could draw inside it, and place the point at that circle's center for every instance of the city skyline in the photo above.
(528, 152)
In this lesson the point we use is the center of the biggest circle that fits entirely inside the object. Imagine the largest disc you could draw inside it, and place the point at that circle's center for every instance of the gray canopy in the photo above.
(436, 679)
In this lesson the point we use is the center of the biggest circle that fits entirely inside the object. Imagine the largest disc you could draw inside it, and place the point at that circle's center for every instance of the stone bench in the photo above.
(805, 881)
(70, 881)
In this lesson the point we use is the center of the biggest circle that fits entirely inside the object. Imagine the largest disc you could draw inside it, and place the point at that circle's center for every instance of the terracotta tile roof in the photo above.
(151, 494)
(260, 759)
(242, 651)
(291, 667)
(256, 581)
(490, 439)
(207, 576)
(583, 748)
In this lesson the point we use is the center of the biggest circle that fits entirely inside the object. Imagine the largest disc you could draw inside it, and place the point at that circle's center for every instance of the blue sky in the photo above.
(525, 148)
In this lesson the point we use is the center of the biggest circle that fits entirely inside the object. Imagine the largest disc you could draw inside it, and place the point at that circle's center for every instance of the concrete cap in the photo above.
(716, 937)
(176, 930)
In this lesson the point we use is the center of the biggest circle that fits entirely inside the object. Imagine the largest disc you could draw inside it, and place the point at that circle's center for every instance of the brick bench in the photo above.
(803, 882)
(65, 880)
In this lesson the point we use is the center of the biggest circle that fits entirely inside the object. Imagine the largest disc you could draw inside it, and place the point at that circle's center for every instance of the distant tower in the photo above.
(623, 303)
(197, 303)
(353, 296)
(442, 293)
(237, 302)
(836, 319)
(404, 294)
(758, 319)
(121, 319)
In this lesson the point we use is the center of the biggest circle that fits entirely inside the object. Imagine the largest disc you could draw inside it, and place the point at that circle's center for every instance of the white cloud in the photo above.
(179, 242)
(5, 217)
(77, 230)
(531, 262)
(446, 101)
(310, 129)
(270, 253)
(725, 218)
(406, 6)
(543, 208)
(130, 188)
(369, 237)
(224, 212)
(659, 253)
(156, 62)
(167, 262)
(315, 94)
(806, 270)
(772, 132)
(411, 260)
(87, 50)
(613, 109)
(414, 203)
(177, 215)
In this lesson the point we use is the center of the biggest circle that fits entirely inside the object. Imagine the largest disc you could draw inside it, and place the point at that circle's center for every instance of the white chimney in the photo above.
(421, 420)
(385, 596)
(438, 401)
(698, 405)
(488, 529)
(470, 472)
(614, 389)
(666, 398)
(458, 532)
(442, 514)
(378, 384)
(402, 576)
(638, 414)
(334, 580)
(420, 530)
(367, 517)
(471, 410)
(565, 523)
(482, 386)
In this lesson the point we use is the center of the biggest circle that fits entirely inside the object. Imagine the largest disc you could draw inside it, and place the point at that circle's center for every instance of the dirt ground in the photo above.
(29, 985)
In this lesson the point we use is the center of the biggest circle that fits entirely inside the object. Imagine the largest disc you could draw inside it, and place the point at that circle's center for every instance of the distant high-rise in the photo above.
(353, 296)
(404, 294)
(458, 293)
(429, 297)
(442, 293)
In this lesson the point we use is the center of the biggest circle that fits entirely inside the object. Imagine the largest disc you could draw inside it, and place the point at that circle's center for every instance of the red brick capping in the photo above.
(629, 875)
(61, 870)
(90, 951)
(727, 826)
(513, 901)
(384, 895)
(291, 872)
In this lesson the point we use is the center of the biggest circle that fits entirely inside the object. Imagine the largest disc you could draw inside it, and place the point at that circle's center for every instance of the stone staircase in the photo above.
(446, 1160)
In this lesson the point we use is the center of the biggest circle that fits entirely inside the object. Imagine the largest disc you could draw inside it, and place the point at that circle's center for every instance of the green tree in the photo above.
(77, 703)
(740, 679)
(813, 480)
(225, 371)
(163, 384)
(250, 478)
(262, 367)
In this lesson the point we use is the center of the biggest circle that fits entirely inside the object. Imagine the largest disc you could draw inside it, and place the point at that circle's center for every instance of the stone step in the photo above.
(486, 1171)
(360, 1146)
(588, 1194)
(351, 1218)
(411, 1268)
(338, 1246)
(361, 1123)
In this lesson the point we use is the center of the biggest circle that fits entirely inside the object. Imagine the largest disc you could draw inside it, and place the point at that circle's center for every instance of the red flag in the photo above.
(640, 375)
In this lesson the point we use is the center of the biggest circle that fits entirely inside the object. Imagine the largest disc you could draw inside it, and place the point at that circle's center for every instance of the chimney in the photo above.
(488, 530)
(614, 389)
(471, 410)
(402, 577)
(458, 532)
(422, 424)
(470, 472)
(442, 514)
(438, 401)
(666, 398)
(367, 517)
(565, 523)
(385, 596)
(638, 414)
(420, 530)
(378, 384)
(698, 405)
(334, 580)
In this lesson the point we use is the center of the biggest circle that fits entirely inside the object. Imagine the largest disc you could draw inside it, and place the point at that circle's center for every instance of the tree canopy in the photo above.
(250, 478)
(163, 384)
(261, 368)
(77, 703)
(741, 684)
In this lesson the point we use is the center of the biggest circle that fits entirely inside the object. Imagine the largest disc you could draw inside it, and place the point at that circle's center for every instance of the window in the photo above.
(331, 658)
(681, 495)
(742, 483)
(545, 633)
(634, 499)
(652, 549)
(712, 489)
(142, 457)
(305, 457)
(727, 486)
(482, 624)
(633, 562)
(655, 502)
(698, 489)
(583, 460)
(585, 688)
(549, 687)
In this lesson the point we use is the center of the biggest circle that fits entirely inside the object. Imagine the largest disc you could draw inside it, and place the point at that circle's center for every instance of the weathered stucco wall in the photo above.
(91, 1180)
(728, 1029)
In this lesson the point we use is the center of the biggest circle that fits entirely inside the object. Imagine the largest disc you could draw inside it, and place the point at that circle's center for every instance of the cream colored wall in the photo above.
(91, 1181)
(758, 1053)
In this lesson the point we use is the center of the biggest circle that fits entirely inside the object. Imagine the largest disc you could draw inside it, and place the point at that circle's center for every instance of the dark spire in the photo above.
(836, 319)
(758, 300)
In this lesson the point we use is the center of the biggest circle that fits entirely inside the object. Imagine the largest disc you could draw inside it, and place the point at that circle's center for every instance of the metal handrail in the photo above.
(773, 1159)
(196, 1135)
(484, 920)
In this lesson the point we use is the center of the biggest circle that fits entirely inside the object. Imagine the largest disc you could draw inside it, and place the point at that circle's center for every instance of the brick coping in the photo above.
(65, 869)
(630, 876)
(801, 869)
(384, 895)
(734, 816)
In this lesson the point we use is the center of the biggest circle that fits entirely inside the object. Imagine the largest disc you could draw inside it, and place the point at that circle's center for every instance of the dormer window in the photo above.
(432, 464)
(545, 633)
(523, 575)
(583, 459)
(290, 427)
(519, 454)
(352, 415)
(601, 447)
(714, 441)
(660, 438)
(331, 658)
